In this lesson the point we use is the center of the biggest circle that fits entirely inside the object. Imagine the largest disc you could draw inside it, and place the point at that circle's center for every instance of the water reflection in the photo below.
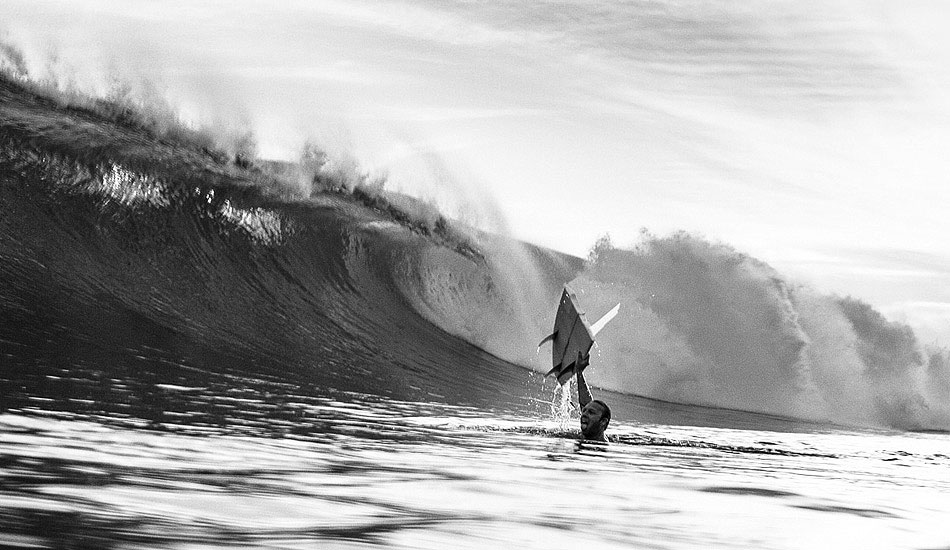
(349, 471)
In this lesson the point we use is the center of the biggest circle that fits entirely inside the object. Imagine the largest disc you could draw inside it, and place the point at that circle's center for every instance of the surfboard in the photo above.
(572, 334)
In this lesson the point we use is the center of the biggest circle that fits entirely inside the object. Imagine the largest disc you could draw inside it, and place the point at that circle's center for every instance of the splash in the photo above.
(562, 407)
(705, 324)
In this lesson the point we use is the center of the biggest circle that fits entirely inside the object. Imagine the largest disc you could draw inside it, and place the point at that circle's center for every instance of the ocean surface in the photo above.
(197, 351)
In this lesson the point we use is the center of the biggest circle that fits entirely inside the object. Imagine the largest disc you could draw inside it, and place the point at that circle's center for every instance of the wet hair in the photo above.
(606, 415)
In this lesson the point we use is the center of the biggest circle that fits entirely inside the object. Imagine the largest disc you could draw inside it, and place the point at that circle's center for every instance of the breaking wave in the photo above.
(702, 323)
(126, 248)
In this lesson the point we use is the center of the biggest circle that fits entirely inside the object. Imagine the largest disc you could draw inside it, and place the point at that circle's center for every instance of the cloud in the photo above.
(771, 55)
(344, 72)
(421, 113)
(411, 20)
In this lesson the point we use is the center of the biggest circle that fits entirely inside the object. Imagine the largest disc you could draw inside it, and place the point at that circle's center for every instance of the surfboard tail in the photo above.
(564, 373)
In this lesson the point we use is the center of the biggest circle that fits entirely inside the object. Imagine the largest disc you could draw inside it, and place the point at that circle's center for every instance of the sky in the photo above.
(808, 134)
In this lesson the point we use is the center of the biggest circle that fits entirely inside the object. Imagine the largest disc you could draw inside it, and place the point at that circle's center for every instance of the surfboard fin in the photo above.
(548, 338)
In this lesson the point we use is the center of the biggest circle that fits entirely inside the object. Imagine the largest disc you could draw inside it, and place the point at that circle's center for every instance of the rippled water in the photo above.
(355, 471)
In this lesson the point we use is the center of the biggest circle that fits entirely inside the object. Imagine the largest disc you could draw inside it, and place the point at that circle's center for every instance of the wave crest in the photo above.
(705, 324)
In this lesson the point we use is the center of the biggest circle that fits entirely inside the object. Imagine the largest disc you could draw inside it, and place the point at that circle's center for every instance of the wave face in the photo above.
(121, 254)
(141, 261)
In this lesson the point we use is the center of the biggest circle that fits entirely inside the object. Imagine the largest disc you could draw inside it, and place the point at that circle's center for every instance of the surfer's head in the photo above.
(594, 419)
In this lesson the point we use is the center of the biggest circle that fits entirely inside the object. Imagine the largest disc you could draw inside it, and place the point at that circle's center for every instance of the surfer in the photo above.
(595, 414)
(573, 335)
